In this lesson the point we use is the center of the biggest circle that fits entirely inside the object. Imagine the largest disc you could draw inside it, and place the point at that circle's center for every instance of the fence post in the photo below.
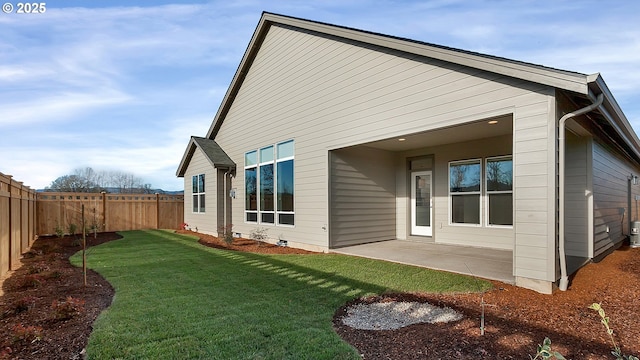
(157, 210)
(104, 210)
(11, 264)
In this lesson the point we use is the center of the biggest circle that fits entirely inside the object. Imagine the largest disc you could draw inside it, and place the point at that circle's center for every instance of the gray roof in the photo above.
(213, 152)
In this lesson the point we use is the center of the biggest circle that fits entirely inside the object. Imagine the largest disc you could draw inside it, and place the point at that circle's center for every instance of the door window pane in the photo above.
(423, 200)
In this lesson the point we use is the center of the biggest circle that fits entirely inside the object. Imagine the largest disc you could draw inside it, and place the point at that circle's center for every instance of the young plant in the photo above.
(227, 233)
(604, 319)
(66, 309)
(59, 231)
(259, 235)
(30, 281)
(72, 231)
(23, 333)
(25, 303)
(545, 352)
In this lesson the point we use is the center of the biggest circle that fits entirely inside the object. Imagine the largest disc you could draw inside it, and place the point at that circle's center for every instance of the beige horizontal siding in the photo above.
(328, 95)
(362, 196)
(206, 222)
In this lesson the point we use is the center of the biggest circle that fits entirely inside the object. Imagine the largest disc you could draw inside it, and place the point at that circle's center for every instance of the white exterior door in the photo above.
(421, 203)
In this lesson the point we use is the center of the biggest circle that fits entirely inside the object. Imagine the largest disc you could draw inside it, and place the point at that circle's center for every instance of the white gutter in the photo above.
(564, 278)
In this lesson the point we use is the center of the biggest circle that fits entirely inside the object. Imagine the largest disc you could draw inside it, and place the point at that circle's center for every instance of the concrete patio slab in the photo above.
(485, 263)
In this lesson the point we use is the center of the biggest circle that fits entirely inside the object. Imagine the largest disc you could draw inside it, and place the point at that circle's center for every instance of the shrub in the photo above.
(24, 304)
(227, 233)
(66, 309)
(30, 281)
(259, 234)
(38, 268)
(59, 230)
(23, 333)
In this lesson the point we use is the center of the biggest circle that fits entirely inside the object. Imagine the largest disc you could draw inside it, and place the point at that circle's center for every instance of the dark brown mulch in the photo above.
(516, 319)
(30, 328)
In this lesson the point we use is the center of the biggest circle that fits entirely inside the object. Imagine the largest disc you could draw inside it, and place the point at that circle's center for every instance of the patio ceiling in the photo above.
(472, 131)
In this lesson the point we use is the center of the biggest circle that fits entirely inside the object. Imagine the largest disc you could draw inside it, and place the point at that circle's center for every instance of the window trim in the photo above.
(479, 193)
(199, 193)
(488, 192)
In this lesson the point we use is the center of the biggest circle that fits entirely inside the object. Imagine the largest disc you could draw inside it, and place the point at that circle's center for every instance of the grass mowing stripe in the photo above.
(178, 299)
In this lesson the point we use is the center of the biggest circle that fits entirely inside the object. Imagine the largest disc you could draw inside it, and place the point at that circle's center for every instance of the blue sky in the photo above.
(122, 85)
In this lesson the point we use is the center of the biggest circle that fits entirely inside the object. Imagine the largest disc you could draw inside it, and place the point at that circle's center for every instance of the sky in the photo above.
(122, 85)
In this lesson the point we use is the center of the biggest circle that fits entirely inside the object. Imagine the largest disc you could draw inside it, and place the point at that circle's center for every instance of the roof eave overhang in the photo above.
(611, 111)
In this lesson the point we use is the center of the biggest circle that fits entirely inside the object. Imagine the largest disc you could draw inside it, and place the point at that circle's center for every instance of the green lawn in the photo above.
(176, 299)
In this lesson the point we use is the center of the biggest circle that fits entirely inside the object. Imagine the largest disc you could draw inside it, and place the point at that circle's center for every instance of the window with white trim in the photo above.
(269, 184)
(198, 193)
(464, 191)
(499, 185)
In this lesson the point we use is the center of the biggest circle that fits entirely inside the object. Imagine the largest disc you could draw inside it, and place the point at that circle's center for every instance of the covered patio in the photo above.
(481, 262)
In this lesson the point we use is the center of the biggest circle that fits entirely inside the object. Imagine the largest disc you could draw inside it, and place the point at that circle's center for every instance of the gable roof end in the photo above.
(212, 151)
(562, 79)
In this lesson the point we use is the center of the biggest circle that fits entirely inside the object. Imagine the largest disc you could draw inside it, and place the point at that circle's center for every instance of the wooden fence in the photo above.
(56, 212)
(17, 221)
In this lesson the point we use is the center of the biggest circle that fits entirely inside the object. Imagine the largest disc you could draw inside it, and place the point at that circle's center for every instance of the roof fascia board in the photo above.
(186, 158)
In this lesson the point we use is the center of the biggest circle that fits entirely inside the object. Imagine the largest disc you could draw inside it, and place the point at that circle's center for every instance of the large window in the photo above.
(197, 191)
(464, 191)
(499, 175)
(269, 185)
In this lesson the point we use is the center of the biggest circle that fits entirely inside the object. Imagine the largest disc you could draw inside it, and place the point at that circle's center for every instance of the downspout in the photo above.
(564, 278)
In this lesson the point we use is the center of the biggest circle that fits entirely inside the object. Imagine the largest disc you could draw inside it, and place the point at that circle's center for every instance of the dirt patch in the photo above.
(516, 319)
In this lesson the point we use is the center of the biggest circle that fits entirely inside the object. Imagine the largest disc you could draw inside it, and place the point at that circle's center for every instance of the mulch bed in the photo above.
(516, 319)
(46, 312)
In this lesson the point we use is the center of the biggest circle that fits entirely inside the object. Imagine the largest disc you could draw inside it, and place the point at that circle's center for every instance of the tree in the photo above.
(71, 183)
(89, 180)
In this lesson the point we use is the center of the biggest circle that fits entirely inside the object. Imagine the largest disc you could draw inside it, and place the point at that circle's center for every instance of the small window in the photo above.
(198, 193)
(464, 192)
(251, 186)
(499, 175)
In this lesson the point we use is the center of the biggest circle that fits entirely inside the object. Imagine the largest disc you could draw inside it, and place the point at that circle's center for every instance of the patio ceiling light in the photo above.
(493, 122)
(402, 139)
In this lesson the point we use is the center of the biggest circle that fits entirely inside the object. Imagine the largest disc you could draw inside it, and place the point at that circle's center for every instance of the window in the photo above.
(251, 186)
(284, 169)
(464, 191)
(197, 182)
(499, 177)
(269, 185)
(267, 214)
